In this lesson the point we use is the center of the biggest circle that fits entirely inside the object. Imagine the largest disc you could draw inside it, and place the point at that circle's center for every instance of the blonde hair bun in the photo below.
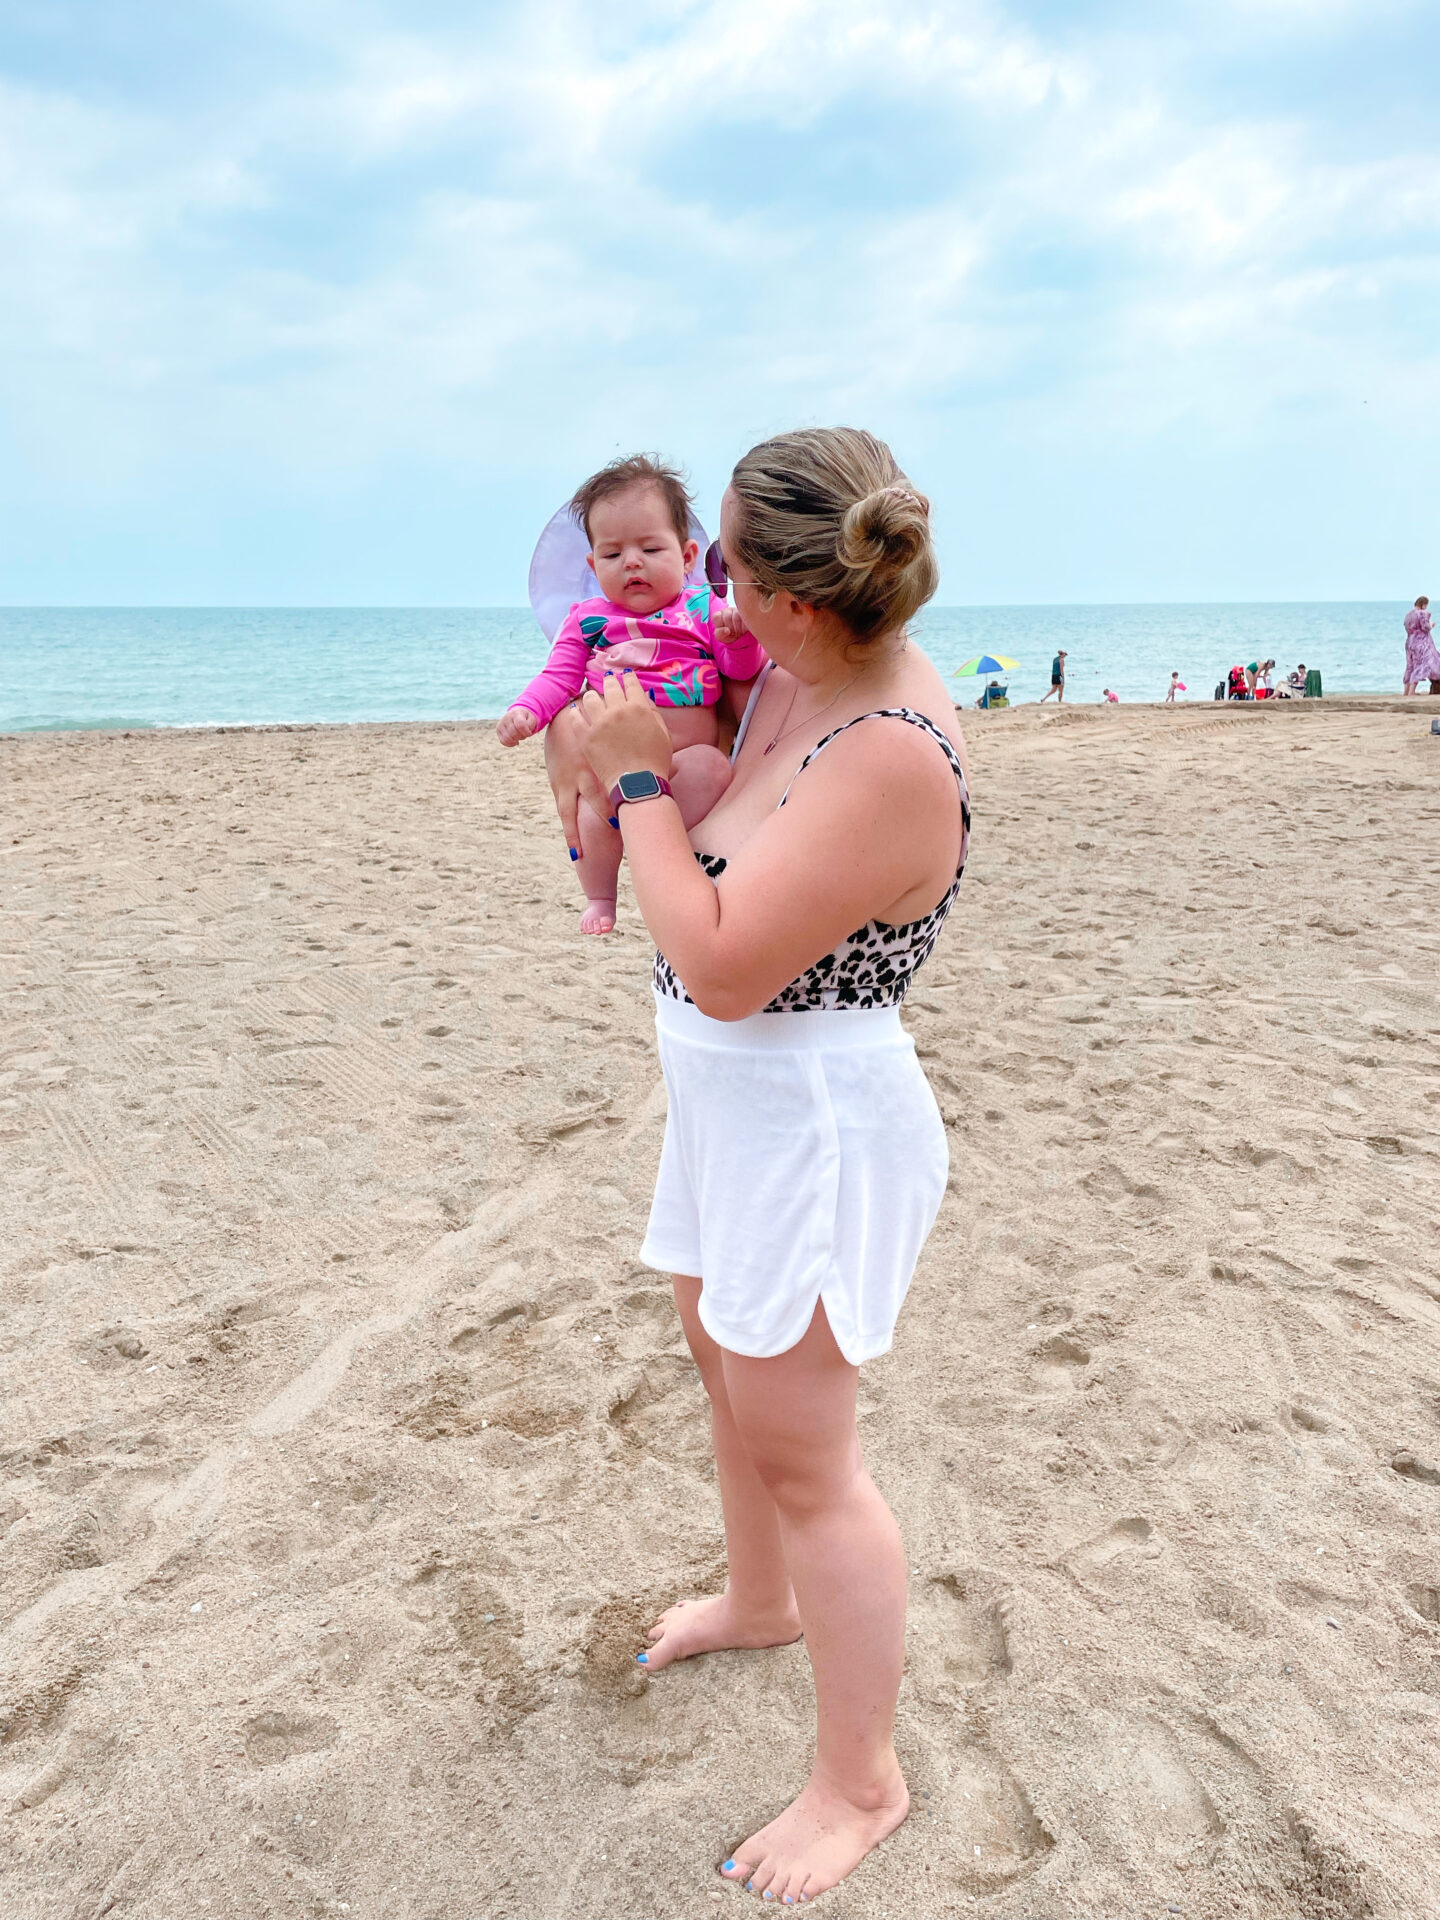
(888, 528)
(826, 515)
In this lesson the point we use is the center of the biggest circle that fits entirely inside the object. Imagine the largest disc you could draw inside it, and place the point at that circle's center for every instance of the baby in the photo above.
(636, 515)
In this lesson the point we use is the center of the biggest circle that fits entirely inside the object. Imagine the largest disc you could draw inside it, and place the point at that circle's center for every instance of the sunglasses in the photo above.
(718, 573)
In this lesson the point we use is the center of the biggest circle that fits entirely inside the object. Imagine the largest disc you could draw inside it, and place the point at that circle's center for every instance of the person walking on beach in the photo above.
(1057, 680)
(1422, 660)
(804, 1157)
(1177, 685)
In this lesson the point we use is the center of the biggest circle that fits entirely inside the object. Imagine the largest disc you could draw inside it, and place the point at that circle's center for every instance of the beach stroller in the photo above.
(1238, 690)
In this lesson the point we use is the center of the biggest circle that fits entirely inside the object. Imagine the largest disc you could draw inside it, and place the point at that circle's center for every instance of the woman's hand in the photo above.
(571, 780)
(620, 732)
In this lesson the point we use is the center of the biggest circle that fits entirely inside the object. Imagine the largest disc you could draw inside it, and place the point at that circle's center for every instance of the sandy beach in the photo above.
(346, 1449)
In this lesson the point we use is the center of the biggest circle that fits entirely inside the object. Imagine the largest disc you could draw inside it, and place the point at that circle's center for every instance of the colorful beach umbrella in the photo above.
(988, 663)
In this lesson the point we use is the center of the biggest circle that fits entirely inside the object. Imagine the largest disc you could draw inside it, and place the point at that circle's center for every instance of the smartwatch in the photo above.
(637, 786)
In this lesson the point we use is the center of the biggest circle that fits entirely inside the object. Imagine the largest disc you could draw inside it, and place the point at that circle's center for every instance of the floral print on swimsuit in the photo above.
(675, 652)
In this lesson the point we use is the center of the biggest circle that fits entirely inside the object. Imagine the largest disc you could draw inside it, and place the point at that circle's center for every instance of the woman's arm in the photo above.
(872, 827)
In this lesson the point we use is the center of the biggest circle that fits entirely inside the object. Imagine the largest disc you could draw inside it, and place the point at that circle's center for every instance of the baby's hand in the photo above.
(726, 622)
(515, 725)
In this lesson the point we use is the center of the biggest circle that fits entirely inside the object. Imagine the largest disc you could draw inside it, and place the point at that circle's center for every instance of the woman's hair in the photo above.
(1423, 601)
(825, 514)
(635, 470)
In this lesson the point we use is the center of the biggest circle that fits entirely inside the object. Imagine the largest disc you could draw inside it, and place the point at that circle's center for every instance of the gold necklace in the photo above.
(785, 729)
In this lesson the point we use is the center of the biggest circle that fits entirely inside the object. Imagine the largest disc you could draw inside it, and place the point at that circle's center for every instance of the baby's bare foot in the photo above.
(819, 1838)
(598, 917)
(714, 1623)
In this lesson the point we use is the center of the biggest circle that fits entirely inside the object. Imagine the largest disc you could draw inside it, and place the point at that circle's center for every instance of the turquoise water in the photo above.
(231, 666)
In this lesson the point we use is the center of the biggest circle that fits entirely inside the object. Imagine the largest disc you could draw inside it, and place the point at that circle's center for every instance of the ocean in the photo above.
(69, 667)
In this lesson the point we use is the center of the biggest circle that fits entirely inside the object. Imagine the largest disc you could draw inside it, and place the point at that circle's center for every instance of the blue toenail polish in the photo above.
(573, 854)
(643, 1658)
(726, 1866)
(750, 1886)
(767, 1895)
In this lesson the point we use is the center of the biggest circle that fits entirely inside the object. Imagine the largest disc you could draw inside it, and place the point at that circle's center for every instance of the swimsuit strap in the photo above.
(750, 705)
(915, 719)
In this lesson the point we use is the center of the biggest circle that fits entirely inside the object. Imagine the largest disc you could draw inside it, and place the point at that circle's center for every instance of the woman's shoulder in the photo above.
(895, 754)
(923, 692)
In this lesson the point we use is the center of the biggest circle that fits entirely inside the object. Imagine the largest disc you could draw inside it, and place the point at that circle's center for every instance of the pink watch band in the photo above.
(654, 789)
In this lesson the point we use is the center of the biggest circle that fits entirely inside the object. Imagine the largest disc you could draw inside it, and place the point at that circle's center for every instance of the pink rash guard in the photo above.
(675, 652)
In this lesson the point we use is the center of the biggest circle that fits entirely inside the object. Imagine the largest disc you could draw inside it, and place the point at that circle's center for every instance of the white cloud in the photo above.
(523, 240)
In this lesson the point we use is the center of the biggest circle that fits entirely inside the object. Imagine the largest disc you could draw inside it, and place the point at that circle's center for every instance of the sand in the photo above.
(347, 1448)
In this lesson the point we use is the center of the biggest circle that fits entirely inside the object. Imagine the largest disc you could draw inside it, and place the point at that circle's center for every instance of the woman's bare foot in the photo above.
(819, 1838)
(711, 1625)
(598, 917)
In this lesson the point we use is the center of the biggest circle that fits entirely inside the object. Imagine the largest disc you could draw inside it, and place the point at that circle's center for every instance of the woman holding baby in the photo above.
(804, 1157)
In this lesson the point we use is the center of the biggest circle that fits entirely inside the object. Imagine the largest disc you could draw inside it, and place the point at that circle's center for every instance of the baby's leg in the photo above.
(698, 777)
(597, 868)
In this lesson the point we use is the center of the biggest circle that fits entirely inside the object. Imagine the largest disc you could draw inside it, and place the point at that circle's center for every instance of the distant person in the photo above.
(1057, 680)
(1422, 661)
(1296, 680)
(1177, 685)
(1237, 684)
(1256, 675)
(1113, 698)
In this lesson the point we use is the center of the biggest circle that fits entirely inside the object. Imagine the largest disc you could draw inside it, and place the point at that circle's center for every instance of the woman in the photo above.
(804, 1157)
(1422, 661)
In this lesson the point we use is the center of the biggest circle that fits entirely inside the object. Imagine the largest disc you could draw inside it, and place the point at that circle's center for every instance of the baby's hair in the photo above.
(635, 470)
(825, 514)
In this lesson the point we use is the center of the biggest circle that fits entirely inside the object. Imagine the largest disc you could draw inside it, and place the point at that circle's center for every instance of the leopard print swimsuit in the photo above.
(875, 965)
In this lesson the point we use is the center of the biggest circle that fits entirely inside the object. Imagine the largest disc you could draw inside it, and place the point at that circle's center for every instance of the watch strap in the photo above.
(618, 798)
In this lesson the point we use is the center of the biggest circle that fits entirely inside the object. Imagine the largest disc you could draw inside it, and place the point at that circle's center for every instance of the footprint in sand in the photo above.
(663, 1411)
(1155, 1805)
(957, 1633)
(1059, 1363)
(275, 1736)
(993, 1834)
(1098, 1561)
(1410, 1467)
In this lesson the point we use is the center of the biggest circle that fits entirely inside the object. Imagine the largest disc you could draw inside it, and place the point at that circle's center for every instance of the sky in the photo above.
(306, 303)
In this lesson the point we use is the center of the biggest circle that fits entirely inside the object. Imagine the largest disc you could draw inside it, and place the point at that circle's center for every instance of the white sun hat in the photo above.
(560, 573)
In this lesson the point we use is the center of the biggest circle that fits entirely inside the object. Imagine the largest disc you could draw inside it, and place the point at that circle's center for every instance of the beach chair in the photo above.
(995, 697)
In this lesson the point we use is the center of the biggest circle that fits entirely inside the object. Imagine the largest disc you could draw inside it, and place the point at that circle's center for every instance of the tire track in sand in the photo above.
(193, 1504)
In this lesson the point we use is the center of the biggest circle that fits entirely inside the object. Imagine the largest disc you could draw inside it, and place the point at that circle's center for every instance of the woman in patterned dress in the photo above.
(1422, 661)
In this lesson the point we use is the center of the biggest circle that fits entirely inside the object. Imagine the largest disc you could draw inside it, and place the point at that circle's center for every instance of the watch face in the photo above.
(639, 786)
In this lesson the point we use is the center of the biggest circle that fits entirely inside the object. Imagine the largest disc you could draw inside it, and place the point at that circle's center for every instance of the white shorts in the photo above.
(804, 1159)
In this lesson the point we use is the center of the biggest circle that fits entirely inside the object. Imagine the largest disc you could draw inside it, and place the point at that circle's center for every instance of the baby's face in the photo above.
(637, 555)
